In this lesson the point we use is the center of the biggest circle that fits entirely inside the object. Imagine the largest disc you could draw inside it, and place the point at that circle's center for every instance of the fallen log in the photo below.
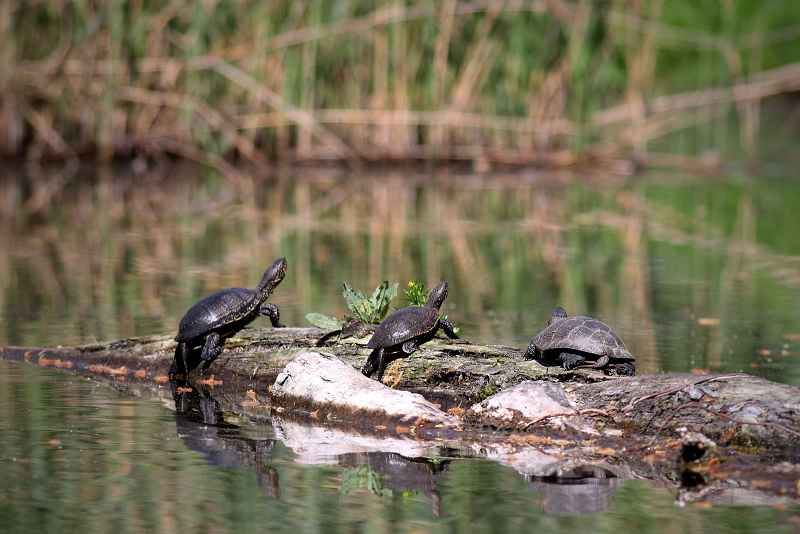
(482, 402)
(734, 410)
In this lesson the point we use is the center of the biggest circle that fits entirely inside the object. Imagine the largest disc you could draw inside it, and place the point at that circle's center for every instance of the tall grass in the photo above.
(521, 81)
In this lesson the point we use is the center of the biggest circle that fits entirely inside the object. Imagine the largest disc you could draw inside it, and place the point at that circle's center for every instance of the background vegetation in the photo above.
(549, 82)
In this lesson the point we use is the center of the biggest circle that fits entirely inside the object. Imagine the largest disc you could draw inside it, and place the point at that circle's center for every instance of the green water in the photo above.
(78, 457)
(692, 272)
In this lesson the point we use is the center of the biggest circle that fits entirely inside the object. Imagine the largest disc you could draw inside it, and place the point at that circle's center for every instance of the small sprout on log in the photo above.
(486, 393)
(368, 310)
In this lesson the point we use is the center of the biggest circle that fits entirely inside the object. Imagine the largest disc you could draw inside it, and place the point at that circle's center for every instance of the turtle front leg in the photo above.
(274, 314)
(448, 328)
(530, 354)
(375, 362)
(626, 369)
(570, 361)
(211, 349)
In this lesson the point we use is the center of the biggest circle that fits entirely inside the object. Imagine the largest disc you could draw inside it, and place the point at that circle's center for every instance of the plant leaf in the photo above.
(381, 299)
(370, 310)
(323, 321)
(358, 303)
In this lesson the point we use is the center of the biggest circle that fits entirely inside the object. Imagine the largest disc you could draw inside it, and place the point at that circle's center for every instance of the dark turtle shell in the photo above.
(405, 324)
(584, 334)
(218, 310)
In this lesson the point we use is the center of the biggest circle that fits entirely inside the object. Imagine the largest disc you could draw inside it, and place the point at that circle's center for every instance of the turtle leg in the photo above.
(626, 369)
(274, 314)
(211, 349)
(601, 362)
(179, 364)
(530, 354)
(570, 361)
(448, 329)
(373, 363)
(410, 347)
(382, 363)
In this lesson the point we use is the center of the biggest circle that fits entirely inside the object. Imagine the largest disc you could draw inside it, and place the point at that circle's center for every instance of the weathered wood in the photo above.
(331, 389)
(459, 370)
(735, 409)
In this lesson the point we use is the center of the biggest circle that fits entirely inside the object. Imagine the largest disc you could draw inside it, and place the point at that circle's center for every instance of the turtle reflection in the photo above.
(581, 490)
(202, 427)
(384, 472)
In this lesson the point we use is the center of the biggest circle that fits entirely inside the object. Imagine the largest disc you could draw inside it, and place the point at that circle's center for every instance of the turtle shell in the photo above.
(403, 325)
(583, 334)
(217, 310)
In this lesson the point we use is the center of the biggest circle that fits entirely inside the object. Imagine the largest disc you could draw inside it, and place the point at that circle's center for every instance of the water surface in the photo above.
(692, 272)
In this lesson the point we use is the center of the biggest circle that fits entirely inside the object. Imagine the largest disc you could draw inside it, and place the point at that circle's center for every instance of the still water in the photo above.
(692, 272)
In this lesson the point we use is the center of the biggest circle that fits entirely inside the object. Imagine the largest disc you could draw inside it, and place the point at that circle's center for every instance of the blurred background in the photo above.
(631, 160)
(550, 83)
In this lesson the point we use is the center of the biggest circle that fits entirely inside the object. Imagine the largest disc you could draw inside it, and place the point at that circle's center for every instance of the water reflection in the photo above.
(691, 273)
(585, 489)
(71, 450)
(202, 427)
(387, 464)
(395, 472)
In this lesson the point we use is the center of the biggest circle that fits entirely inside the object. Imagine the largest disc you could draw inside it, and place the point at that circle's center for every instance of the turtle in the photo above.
(403, 331)
(208, 323)
(573, 340)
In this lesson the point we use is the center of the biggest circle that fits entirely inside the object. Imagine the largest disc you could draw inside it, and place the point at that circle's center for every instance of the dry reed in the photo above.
(550, 83)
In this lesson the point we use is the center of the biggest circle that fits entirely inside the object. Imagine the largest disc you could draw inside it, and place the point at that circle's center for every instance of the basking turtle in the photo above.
(219, 316)
(402, 332)
(573, 340)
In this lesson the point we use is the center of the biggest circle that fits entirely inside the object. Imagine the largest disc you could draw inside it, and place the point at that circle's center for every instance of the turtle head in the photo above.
(558, 314)
(272, 277)
(437, 296)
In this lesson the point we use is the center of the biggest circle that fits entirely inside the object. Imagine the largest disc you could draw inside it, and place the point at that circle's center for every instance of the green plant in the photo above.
(416, 294)
(369, 310)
